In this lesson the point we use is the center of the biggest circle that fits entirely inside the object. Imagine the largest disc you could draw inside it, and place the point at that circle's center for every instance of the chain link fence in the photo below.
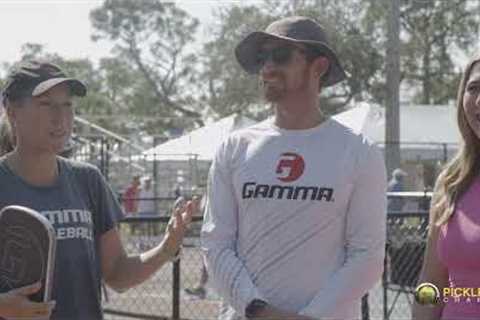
(392, 297)
(406, 241)
(165, 296)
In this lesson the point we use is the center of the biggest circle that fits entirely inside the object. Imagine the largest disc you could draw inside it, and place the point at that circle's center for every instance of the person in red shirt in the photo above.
(130, 202)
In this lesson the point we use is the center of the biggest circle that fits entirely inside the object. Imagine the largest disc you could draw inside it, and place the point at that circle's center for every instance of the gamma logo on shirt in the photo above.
(289, 168)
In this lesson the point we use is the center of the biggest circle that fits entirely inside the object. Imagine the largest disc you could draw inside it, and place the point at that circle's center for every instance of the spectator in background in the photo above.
(146, 201)
(178, 191)
(396, 184)
(130, 196)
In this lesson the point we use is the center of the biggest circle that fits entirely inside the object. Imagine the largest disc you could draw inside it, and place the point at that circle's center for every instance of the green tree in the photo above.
(355, 46)
(150, 38)
(119, 99)
(226, 87)
(96, 104)
(230, 89)
(432, 32)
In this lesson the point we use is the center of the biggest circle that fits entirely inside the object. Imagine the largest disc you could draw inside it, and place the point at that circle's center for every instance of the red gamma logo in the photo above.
(290, 167)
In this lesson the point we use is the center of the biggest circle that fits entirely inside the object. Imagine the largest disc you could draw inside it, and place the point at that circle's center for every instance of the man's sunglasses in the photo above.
(280, 55)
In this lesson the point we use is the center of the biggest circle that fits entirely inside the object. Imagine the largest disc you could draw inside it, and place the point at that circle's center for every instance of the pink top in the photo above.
(459, 250)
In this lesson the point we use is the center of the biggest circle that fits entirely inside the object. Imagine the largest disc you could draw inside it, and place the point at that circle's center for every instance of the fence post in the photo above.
(445, 153)
(365, 308)
(384, 283)
(176, 290)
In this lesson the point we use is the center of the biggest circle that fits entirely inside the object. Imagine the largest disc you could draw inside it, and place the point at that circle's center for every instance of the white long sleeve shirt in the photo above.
(295, 218)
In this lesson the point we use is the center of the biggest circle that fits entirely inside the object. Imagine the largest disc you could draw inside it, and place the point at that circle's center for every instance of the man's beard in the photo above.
(273, 94)
(277, 92)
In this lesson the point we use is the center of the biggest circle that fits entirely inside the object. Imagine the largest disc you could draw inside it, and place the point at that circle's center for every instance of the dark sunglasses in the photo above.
(279, 55)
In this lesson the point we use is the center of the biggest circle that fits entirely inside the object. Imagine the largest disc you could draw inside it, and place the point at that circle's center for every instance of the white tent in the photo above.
(199, 144)
(418, 123)
(421, 127)
(185, 160)
(425, 131)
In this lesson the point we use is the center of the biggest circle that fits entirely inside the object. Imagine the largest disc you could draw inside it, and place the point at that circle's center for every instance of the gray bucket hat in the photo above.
(296, 29)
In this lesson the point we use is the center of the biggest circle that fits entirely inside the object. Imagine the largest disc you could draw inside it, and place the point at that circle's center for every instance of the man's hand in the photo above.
(15, 304)
(178, 224)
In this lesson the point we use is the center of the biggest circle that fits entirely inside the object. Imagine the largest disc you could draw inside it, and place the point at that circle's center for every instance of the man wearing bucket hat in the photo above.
(295, 220)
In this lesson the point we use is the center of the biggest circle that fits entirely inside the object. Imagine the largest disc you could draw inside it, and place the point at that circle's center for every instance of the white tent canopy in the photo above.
(419, 124)
(421, 127)
(199, 144)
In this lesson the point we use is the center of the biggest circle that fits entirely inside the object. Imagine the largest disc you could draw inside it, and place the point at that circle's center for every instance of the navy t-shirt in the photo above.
(81, 207)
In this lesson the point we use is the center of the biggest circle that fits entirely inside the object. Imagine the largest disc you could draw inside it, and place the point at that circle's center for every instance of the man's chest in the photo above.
(292, 175)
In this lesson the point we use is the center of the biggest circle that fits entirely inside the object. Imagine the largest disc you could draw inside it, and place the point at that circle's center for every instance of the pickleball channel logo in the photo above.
(427, 294)
(290, 167)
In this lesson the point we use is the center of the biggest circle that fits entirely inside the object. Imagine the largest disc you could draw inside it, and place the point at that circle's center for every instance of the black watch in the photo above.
(254, 307)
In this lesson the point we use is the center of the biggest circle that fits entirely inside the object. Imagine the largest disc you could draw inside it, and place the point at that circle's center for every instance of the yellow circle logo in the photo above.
(427, 294)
